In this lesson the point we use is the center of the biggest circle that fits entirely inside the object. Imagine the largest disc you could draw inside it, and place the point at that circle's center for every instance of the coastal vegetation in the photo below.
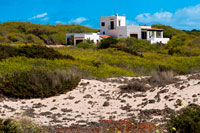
(29, 69)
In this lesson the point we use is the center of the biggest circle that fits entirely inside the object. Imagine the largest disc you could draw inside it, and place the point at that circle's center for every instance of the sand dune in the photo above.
(95, 100)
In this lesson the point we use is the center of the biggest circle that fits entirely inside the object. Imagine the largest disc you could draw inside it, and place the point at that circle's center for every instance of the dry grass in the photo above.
(162, 78)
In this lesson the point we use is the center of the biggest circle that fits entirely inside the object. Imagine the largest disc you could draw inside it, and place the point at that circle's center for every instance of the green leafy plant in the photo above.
(186, 121)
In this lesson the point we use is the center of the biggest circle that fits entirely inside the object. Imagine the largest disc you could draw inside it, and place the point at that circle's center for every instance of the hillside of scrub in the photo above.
(98, 63)
(130, 65)
(26, 32)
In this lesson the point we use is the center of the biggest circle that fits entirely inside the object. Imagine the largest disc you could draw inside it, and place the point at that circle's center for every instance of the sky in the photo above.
(181, 14)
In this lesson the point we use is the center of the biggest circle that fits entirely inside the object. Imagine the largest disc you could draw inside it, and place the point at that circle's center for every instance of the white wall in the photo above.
(159, 40)
(107, 20)
(136, 29)
(93, 36)
(84, 36)
(122, 32)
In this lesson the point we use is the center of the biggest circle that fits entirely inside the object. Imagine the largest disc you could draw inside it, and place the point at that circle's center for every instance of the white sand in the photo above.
(91, 109)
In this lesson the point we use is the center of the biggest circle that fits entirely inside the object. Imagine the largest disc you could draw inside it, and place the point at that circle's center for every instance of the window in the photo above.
(134, 35)
(158, 34)
(144, 35)
(103, 33)
(119, 23)
(102, 23)
(112, 25)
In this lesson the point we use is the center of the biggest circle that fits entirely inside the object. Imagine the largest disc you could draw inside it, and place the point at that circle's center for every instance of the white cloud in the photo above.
(185, 18)
(45, 19)
(156, 17)
(189, 16)
(60, 22)
(39, 16)
(130, 22)
(77, 20)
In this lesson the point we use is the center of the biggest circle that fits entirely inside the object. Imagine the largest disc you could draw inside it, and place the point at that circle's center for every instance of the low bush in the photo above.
(31, 51)
(186, 121)
(134, 86)
(36, 51)
(107, 42)
(85, 45)
(7, 51)
(162, 77)
(37, 83)
(23, 126)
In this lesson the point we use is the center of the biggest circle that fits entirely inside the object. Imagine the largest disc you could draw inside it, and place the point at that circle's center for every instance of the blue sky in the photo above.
(182, 14)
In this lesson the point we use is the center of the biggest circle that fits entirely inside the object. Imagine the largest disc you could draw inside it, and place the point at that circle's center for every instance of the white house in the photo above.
(79, 37)
(115, 26)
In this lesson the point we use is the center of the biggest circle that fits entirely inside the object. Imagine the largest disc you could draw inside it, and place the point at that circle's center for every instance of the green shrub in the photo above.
(107, 42)
(30, 38)
(23, 126)
(31, 51)
(84, 45)
(180, 40)
(16, 37)
(3, 39)
(186, 121)
(37, 83)
(137, 44)
(8, 126)
(7, 51)
(36, 51)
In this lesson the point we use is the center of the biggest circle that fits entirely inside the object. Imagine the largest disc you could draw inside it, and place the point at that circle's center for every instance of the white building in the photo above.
(115, 26)
(79, 37)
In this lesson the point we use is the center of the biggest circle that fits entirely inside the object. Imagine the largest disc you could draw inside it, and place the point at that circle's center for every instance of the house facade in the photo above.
(115, 26)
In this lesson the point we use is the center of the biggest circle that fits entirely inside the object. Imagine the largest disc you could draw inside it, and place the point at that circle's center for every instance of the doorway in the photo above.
(112, 25)
(144, 35)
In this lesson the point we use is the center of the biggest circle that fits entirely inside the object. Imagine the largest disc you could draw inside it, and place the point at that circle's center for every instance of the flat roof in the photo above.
(143, 28)
(80, 33)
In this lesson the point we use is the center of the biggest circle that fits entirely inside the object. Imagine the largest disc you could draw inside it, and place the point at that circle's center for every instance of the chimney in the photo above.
(116, 14)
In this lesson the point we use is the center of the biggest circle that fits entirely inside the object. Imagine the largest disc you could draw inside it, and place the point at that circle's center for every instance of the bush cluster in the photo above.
(85, 44)
(108, 42)
(37, 83)
(129, 45)
(23, 126)
(186, 121)
(162, 77)
(31, 51)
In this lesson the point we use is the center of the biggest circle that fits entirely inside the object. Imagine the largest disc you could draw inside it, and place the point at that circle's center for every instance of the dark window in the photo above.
(144, 35)
(102, 23)
(134, 35)
(112, 25)
(103, 33)
(78, 41)
(119, 23)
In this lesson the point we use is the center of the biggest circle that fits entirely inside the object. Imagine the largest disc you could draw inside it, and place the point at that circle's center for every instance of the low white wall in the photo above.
(95, 37)
(158, 40)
